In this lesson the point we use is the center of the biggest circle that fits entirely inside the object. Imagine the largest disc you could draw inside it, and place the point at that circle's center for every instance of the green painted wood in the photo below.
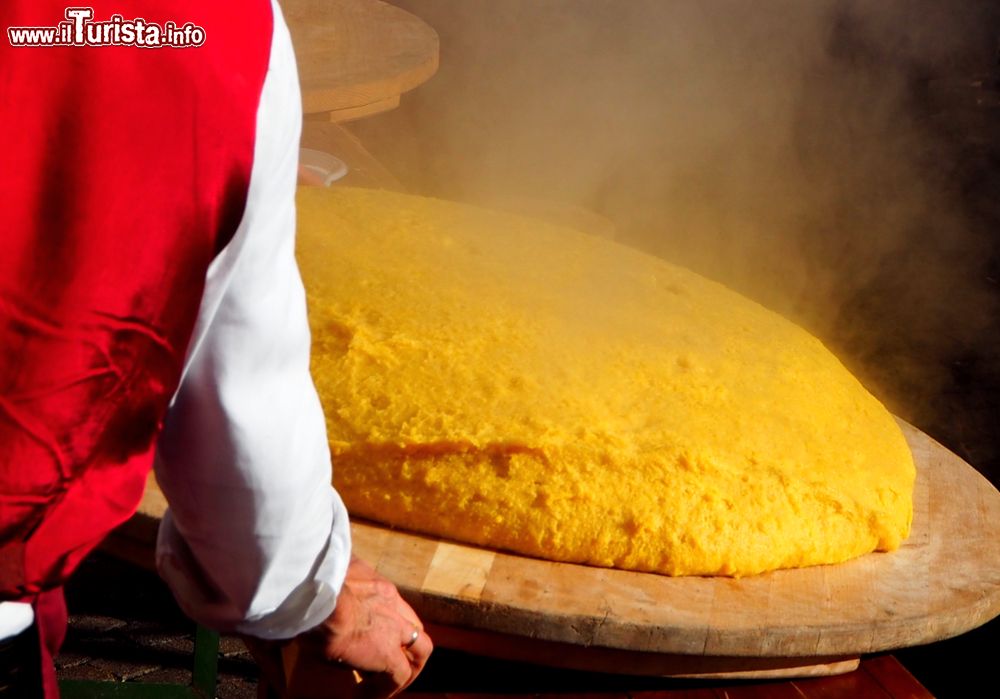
(206, 662)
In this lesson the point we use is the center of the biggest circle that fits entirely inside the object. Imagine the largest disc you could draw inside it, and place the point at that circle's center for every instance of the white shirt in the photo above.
(256, 540)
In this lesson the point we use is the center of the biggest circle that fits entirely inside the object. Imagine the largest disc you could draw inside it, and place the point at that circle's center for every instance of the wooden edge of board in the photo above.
(356, 112)
(612, 660)
(454, 596)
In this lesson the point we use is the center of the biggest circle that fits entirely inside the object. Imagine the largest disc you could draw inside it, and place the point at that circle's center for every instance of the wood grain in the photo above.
(356, 57)
(944, 581)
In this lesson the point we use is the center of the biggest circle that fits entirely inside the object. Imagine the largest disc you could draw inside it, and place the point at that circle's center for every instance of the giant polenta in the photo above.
(503, 382)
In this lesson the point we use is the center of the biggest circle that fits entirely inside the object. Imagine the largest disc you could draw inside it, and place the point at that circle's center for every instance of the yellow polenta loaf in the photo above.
(503, 382)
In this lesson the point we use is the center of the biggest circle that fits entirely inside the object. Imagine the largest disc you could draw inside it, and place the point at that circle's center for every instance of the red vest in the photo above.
(123, 171)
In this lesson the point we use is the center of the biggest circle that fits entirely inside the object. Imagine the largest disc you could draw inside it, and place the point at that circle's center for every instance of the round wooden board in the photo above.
(944, 581)
(356, 57)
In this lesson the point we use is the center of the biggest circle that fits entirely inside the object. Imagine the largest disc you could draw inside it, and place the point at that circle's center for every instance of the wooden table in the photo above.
(356, 57)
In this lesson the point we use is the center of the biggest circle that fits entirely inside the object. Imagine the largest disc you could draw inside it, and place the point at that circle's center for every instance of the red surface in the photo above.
(124, 170)
(879, 677)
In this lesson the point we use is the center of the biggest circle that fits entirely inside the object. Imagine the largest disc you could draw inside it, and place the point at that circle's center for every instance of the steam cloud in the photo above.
(785, 148)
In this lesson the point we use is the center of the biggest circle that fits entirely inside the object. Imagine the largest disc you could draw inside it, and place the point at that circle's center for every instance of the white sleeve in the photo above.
(256, 540)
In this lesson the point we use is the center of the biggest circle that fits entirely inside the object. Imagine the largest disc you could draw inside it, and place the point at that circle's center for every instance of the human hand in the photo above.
(364, 649)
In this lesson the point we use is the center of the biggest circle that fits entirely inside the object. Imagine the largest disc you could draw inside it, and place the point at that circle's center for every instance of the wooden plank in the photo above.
(458, 571)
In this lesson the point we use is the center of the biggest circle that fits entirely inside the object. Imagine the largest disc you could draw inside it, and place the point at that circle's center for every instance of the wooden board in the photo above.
(944, 581)
(356, 57)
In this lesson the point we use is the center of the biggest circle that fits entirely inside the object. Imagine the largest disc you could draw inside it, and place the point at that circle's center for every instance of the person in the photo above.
(151, 313)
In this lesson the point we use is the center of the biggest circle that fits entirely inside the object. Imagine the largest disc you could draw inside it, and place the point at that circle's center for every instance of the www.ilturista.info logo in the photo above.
(79, 29)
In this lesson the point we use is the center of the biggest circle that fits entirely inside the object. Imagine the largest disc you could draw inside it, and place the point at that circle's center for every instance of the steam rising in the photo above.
(780, 147)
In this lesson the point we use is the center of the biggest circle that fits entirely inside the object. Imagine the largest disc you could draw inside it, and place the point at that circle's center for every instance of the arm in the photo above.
(256, 540)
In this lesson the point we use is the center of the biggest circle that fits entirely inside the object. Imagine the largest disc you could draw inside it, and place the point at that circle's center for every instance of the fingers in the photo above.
(401, 670)
(397, 676)
(371, 631)
(418, 653)
(406, 660)
(420, 650)
(401, 675)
